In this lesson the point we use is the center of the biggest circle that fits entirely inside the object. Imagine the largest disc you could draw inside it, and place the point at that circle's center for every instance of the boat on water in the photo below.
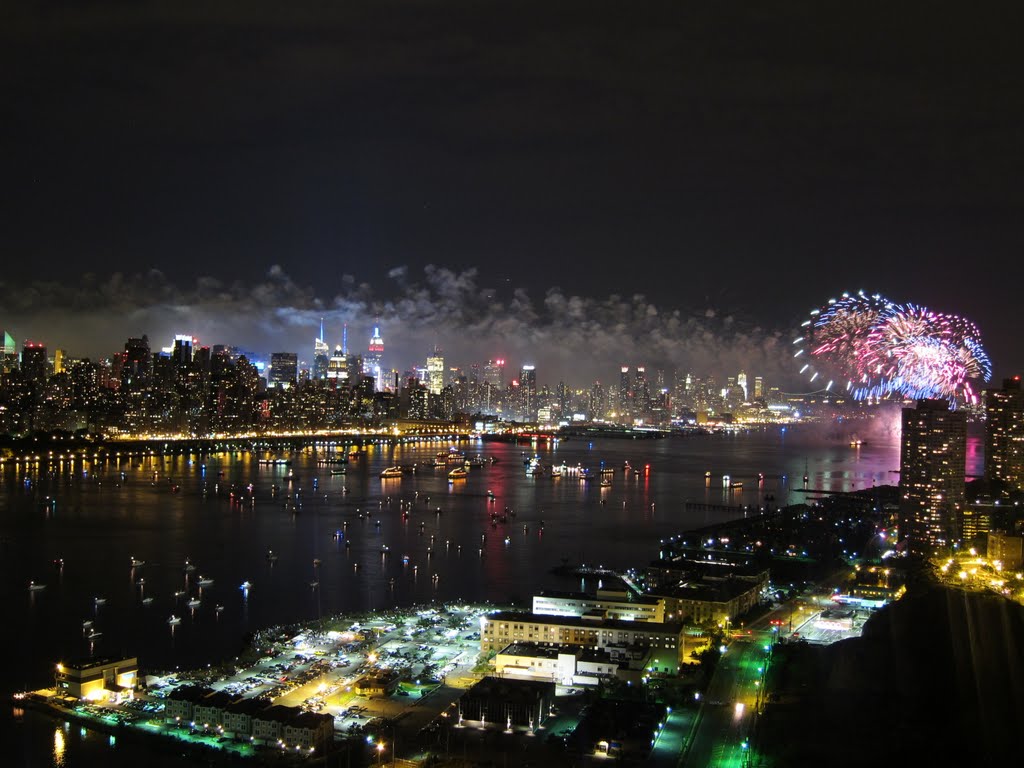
(94, 634)
(392, 472)
(194, 602)
(607, 471)
(534, 467)
(337, 471)
(274, 462)
(99, 600)
(188, 566)
(219, 608)
(316, 562)
(457, 474)
(328, 462)
(180, 593)
(271, 556)
(735, 486)
(147, 601)
(246, 584)
(87, 623)
(136, 563)
(204, 581)
(174, 619)
(314, 584)
(606, 483)
(33, 587)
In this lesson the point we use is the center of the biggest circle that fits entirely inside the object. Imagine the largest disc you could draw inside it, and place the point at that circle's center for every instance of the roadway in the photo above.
(730, 704)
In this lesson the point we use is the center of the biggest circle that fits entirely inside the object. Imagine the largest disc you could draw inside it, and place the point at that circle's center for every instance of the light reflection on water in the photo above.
(436, 540)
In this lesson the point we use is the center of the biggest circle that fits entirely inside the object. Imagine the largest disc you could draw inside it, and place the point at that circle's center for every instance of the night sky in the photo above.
(670, 182)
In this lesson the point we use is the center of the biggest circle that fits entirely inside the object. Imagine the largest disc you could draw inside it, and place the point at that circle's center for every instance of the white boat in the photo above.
(219, 608)
(99, 600)
(271, 556)
(194, 602)
(246, 584)
(314, 584)
(87, 623)
(606, 483)
(392, 472)
(94, 634)
(136, 563)
(204, 581)
(179, 593)
(147, 601)
(188, 566)
(457, 474)
(33, 587)
(174, 619)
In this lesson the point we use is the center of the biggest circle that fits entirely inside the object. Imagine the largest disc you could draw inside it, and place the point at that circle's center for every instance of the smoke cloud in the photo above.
(568, 337)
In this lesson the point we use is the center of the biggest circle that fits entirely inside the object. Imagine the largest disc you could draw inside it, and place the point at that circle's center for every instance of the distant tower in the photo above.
(759, 388)
(8, 354)
(371, 363)
(321, 355)
(933, 453)
(435, 372)
(1004, 434)
(625, 393)
(528, 388)
(344, 339)
(741, 382)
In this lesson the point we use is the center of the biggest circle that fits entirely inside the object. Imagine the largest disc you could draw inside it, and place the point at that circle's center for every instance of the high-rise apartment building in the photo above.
(933, 450)
(34, 364)
(759, 388)
(1004, 434)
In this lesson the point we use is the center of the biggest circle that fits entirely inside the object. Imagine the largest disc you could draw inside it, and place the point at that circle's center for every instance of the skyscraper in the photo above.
(321, 355)
(8, 354)
(933, 451)
(758, 388)
(1004, 434)
(528, 390)
(371, 363)
(284, 369)
(34, 365)
(741, 382)
(435, 372)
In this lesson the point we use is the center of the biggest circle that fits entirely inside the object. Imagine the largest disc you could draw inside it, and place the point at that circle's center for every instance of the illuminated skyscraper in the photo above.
(625, 394)
(1004, 434)
(494, 373)
(8, 354)
(741, 382)
(321, 355)
(933, 451)
(528, 390)
(759, 388)
(371, 363)
(60, 361)
(435, 372)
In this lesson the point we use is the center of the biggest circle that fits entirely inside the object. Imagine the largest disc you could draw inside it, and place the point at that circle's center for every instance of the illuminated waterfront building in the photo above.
(1004, 434)
(932, 468)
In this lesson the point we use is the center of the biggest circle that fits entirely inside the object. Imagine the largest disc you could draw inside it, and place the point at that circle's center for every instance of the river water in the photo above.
(366, 542)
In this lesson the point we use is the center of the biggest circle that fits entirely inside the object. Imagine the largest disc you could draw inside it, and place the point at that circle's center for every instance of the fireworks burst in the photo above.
(882, 348)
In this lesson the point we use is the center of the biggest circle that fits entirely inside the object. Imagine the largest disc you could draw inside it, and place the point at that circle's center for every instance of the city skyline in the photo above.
(440, 307)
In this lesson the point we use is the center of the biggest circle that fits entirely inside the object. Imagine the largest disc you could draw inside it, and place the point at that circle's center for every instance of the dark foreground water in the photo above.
(378, 542)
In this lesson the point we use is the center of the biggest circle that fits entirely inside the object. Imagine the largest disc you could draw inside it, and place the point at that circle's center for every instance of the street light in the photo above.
(380, 750)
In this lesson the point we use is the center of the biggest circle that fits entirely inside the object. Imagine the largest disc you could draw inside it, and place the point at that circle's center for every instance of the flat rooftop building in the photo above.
(95, 678)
